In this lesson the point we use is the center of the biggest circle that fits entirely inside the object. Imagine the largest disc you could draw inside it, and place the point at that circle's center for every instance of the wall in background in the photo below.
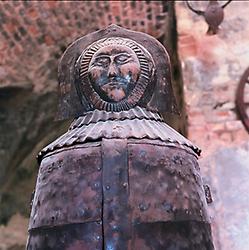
(212, 67)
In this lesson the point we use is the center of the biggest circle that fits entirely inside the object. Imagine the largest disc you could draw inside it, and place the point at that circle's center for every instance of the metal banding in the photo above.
(135, 123)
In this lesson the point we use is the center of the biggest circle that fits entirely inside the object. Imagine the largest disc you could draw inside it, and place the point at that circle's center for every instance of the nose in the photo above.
(112, 71)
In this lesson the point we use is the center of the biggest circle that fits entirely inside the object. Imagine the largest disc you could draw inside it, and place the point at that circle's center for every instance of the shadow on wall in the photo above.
(26, 124)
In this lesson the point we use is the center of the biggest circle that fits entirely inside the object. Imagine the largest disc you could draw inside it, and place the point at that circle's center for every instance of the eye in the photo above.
(122, 58)
(102, 61)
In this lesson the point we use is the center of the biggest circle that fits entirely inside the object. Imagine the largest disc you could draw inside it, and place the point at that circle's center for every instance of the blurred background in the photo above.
(206, 72)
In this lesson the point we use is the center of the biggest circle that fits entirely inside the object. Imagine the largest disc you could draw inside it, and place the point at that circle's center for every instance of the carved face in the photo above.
(114, 71)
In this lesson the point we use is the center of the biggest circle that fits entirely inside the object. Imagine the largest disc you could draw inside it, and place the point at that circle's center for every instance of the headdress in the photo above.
(153, 89)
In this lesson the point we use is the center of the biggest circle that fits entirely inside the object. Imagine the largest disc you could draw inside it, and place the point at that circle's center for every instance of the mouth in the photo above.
(112, 84)
(115, 93)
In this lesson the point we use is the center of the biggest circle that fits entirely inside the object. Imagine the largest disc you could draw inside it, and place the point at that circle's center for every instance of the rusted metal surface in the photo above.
(120, 192)
(242, 106)
(102, 115)
(116, 210)
(86, 236)
(127, 128)
(114, 73)
(68, 237)
(177, 193)
(63, 192)
(120, 177)
(78, 92)
(189, 235)
(213, 15)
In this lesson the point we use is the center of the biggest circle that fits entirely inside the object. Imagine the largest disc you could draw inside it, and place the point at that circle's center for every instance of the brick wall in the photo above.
(212, 67)
(34, 34)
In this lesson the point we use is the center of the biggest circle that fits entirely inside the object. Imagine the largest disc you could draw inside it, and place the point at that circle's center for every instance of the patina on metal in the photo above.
(213, 15)
(120, 177)
(241, 104)
(78, 95)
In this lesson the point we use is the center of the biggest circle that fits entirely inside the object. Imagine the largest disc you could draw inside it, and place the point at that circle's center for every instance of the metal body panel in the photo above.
(181, 235)
(116, 210)
(68, 188)
(86, 236)
(135, 194)
(165, 184)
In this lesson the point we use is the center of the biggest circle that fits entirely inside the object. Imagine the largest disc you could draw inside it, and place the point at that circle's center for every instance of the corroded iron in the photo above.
(241, 105)
(120, 177)
(213, 15)
(153, 90)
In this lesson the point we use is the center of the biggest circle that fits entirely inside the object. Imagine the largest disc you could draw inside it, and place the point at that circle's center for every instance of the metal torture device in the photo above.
(119, 178)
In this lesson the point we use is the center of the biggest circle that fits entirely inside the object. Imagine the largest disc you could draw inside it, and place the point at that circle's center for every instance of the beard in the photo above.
(114, 92)
(117, 89)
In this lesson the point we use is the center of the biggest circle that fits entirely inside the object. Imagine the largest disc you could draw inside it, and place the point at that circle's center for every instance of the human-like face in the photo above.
(114, 71)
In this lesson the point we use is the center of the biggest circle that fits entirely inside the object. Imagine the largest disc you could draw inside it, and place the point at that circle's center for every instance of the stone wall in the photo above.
(212, 67)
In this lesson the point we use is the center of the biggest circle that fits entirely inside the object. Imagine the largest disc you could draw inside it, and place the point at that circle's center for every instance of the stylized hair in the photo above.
(86, 90)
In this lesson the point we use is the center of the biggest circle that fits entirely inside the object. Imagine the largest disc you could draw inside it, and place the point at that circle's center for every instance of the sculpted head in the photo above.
(114, 71)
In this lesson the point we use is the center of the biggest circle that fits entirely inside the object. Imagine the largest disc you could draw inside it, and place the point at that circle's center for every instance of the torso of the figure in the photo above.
(119, 193)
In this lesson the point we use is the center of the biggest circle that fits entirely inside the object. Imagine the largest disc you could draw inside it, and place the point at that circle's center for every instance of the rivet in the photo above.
(96, 184)
(167, 206)
(99, 168)
(143, 207)
(107, 187)
(82, 212)
(125, 184)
